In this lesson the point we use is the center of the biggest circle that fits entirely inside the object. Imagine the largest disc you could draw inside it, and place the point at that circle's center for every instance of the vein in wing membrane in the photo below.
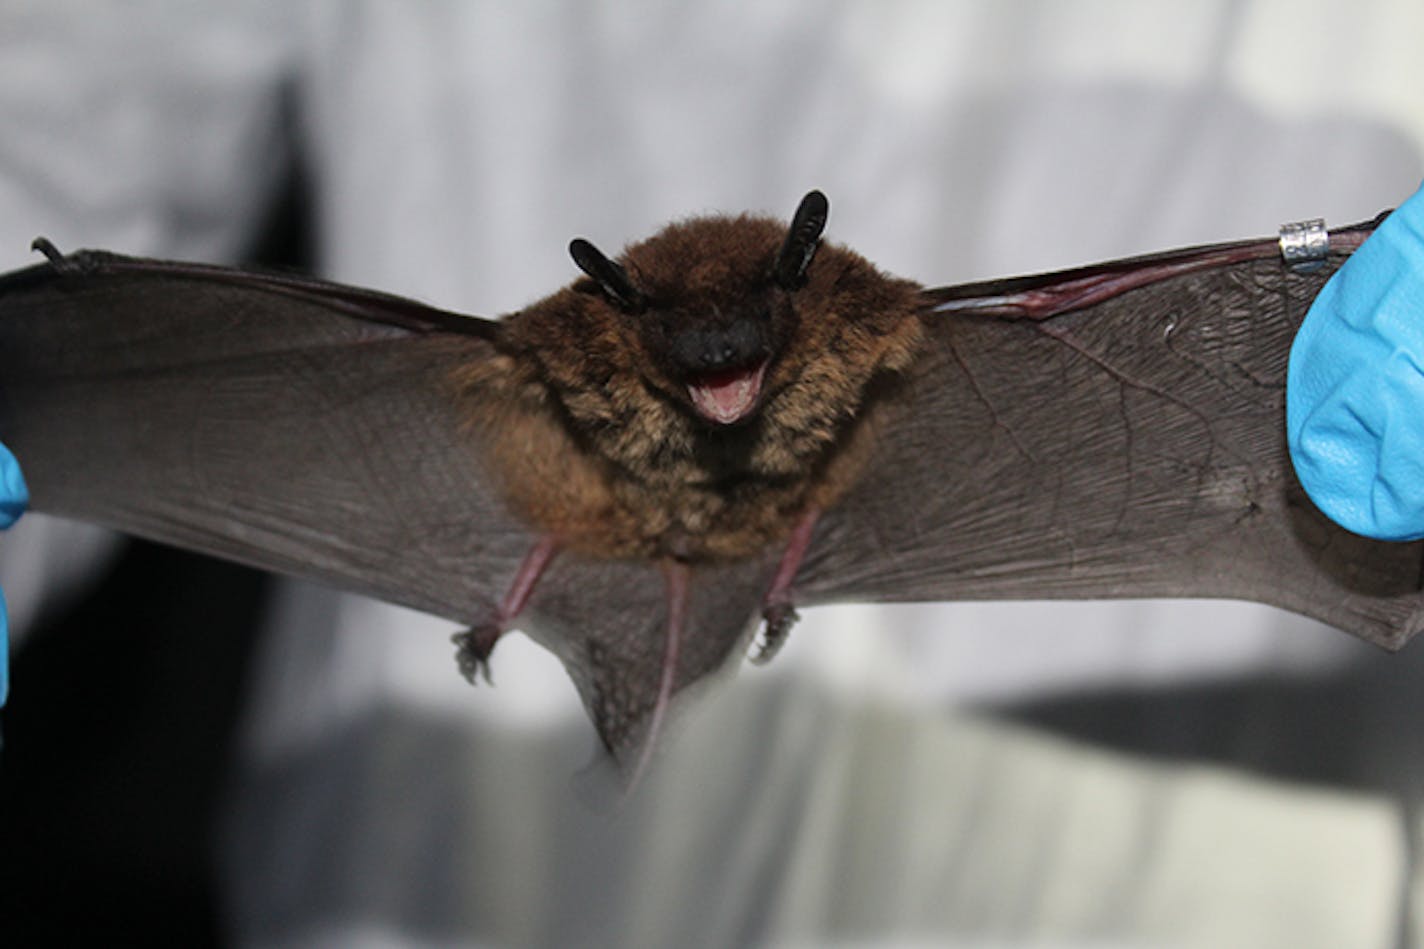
(1133, 448)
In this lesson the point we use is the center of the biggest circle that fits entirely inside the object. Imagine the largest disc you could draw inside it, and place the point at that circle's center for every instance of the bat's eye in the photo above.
(801, 241)
(609, 276)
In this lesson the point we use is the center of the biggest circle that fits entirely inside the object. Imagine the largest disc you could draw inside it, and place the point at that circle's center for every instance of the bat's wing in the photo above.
(311, 429)
(1100, 434)
(1108, 432)
(285, 423)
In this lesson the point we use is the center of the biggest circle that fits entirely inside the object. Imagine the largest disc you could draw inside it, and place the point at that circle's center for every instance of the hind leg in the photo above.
(476, 644)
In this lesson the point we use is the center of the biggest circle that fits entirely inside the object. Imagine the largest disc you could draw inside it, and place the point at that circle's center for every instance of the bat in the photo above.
(730, 419)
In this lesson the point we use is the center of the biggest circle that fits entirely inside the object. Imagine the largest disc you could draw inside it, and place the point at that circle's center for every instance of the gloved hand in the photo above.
(1355, 385)
(13, 498)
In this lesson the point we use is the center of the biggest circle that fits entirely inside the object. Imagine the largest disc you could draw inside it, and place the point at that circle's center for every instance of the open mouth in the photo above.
(727, 396)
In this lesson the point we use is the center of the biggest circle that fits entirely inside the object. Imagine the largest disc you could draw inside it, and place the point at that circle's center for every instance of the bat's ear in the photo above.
(801, 240)
(612, 278)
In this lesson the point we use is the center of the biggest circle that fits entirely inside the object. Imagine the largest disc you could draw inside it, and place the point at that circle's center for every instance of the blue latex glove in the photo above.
(1355, 385)
(13, 498)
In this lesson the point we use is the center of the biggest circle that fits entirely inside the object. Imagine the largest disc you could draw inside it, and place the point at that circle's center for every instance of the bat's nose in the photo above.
(714, 348)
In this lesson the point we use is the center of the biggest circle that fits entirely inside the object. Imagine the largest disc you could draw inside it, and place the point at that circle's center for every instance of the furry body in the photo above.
(593, 435)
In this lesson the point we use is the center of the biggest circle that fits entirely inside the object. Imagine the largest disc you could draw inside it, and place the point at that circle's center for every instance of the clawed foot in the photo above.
(779, 617)
(476, 644)
(473, 651)
(776, 608)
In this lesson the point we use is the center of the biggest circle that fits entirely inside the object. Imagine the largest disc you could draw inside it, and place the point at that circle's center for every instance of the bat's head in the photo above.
(711, 308)
(739, 338)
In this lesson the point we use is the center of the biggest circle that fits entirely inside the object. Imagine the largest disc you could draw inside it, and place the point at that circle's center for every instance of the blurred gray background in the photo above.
(198, 756)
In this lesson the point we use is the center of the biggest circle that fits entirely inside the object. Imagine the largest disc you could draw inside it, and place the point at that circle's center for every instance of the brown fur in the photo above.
(595, 441)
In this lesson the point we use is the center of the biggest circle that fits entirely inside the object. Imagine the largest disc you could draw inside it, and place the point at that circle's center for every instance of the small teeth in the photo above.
(727, 397)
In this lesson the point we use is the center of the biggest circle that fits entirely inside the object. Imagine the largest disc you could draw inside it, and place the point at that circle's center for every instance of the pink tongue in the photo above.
(727, 396)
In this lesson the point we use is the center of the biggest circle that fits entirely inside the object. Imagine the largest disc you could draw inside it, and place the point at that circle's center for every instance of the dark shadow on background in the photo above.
(120, 725)
(1358, 729)
(117, 740)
